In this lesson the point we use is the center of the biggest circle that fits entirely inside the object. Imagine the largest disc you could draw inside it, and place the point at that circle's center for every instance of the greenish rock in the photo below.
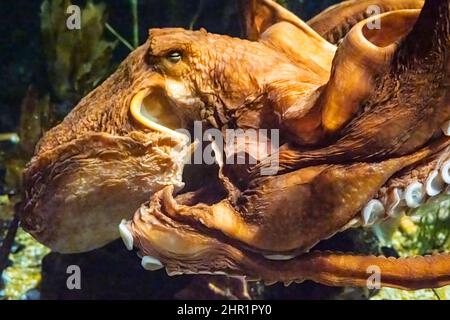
(24, 273)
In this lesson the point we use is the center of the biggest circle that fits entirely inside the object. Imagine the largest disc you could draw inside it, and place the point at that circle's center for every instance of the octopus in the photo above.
(362, 114)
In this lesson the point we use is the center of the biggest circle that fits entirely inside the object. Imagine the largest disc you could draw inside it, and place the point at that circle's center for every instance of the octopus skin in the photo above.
(363, 116)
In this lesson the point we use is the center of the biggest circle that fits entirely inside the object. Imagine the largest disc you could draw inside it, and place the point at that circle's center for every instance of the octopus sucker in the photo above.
(395, 202)
(373, 211)
(406, 192)
(126, 236)
(151, 264)
(445, 171)
(362, 136)
(434, 184)
(415, 194)
(446, 128)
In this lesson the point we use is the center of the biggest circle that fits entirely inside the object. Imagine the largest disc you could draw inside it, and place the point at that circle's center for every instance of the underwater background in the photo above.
(45, 70)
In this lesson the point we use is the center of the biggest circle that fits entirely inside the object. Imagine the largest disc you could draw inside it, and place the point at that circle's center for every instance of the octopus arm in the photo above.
(405, 101)
(296, 210)
(336, 21)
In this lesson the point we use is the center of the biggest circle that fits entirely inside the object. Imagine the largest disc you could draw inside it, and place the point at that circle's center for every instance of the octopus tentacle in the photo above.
(314, 53)
(181, 249)
(364, 69)
(336, 21)
(259, 15)
(332, 193)
(341, 269)
(413, 186)
(271, 24)
(360, 61)
(354, 270)
(404, 111)
(348, 76)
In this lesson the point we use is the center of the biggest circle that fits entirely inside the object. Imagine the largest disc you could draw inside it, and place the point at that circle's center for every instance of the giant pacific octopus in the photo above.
(363, 115)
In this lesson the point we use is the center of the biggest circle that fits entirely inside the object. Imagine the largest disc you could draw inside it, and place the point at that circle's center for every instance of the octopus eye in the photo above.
(174, 56)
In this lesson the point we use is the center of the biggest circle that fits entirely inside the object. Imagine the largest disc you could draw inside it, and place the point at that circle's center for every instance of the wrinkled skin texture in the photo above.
(357, 122)
(95, 159)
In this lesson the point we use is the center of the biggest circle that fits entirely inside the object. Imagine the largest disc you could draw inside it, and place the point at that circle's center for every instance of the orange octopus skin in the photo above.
(192, 252)
(258, 219)
(335, 22)
(326, 199)
(355, 121)
(67, 175)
